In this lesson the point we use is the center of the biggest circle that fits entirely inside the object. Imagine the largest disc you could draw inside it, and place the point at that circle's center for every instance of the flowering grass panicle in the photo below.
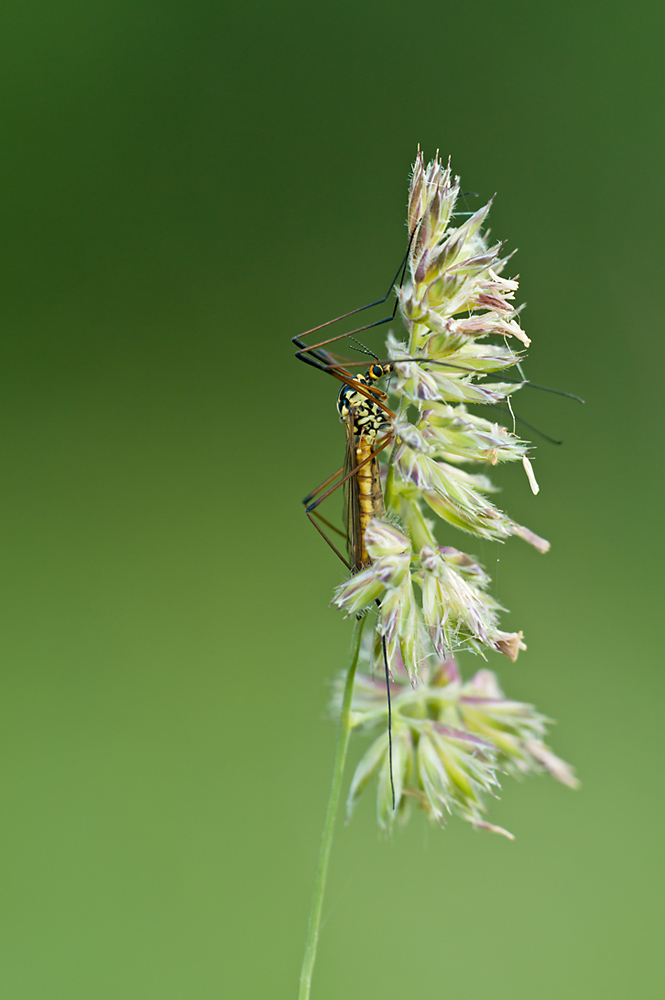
(440, 742)
(450, 740)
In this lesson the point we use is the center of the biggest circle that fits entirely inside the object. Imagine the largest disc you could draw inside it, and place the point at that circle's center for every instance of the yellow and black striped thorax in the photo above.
(369, 418)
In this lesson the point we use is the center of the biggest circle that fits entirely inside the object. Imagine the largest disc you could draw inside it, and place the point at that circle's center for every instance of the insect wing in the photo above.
(352, 518)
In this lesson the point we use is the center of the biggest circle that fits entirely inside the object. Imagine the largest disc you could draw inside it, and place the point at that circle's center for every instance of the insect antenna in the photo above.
(363, 349)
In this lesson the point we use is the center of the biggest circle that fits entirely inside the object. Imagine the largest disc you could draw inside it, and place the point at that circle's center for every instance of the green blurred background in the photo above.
(185, 186)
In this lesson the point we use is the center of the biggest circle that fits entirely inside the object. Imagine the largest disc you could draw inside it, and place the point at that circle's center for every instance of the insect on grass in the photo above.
(362, 407)
(370, 425)
(408, 453)
(418, 449)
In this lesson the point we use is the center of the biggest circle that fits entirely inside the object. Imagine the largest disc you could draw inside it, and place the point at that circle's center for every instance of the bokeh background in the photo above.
(184, 187)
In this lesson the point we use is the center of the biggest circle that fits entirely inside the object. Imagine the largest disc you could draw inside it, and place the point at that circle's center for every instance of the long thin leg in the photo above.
(383, 443)
(312, 355)
(311, 511)
(499, 375)
(390, 716)
(328, 524)
(524, 423)
(335, 369)
(306, 352)
(310, 496)
(312, 516)
(330, 366)
(353, 312)
(374, 395)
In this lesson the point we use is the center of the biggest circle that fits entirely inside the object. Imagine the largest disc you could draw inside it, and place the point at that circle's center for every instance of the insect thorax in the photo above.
(369, 417)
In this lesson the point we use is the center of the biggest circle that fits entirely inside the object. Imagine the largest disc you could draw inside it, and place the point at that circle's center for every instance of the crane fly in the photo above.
(368, 427)
(365, 422)
(369, 430)
(368, 423)
(362, 407)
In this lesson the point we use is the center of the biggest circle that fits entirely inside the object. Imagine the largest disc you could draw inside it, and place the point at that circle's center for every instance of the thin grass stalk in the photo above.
(329, 825)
